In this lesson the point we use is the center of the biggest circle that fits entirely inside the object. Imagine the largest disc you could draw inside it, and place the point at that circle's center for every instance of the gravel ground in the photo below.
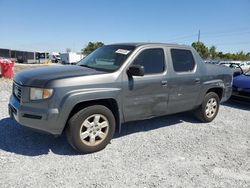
(171, 151)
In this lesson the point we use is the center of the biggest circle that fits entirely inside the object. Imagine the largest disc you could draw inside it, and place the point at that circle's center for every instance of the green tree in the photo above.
(201, 49)
(212, 52)
(92, 46)
(220, 55)
(241, 56)
(228, 56)
(206, 52)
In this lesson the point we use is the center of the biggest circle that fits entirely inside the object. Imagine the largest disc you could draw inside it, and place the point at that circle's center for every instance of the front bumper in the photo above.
(41, 119)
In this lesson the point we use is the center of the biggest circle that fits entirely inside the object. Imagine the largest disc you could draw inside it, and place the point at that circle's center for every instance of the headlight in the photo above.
(38, 93)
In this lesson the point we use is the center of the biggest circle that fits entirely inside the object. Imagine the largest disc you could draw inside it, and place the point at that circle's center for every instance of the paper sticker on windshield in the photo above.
(122, 51)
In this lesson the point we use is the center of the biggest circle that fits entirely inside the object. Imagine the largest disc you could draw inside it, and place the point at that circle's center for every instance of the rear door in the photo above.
(184, 84)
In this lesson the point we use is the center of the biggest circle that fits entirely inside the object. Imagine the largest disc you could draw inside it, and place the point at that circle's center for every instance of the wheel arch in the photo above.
(110, 103)
(217, 90)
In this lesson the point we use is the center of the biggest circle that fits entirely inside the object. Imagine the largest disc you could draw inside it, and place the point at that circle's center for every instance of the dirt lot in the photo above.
(170, 151)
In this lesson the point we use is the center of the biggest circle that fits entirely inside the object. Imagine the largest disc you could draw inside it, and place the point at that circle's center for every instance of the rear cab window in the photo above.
(183, 60)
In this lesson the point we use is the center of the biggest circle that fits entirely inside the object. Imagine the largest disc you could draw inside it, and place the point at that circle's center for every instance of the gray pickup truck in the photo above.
(116, 84)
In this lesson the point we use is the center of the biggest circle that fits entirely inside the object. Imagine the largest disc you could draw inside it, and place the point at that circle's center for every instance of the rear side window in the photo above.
(152, 60)
(183, 60)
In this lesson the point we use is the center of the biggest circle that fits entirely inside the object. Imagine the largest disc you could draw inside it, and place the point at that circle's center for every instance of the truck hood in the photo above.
(39, 77)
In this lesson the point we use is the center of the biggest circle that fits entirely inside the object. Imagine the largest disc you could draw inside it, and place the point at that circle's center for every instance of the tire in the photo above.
(209, 108)
(91, 129)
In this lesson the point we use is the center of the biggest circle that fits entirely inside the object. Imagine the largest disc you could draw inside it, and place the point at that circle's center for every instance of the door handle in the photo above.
(197, 80)
(164, 82)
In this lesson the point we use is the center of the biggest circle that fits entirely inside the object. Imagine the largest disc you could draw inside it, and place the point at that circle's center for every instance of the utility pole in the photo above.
(199, 35)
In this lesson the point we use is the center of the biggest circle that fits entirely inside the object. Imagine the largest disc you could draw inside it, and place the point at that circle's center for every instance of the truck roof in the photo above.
(137, 44)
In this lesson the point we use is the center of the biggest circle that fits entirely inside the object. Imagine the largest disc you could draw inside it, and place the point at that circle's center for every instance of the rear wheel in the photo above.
(91, 129)
(209, 108)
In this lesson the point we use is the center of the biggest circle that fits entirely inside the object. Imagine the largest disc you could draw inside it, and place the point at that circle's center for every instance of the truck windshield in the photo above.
(107, 58)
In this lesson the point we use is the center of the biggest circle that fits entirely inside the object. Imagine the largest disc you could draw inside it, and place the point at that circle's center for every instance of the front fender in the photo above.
(72, 98)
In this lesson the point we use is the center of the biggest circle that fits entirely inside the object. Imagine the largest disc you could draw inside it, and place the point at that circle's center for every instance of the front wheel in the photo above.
(209, 108)
(91, 129)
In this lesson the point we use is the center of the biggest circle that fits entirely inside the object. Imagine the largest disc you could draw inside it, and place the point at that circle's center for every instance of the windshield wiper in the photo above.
(97, 69)
(87, 66)
(84, 65)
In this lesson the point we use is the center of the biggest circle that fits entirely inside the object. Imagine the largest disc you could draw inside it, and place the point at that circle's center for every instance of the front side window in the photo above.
(183, 60)
(152, 60)
(107, 58)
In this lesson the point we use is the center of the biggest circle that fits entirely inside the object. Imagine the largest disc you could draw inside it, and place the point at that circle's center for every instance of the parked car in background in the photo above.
(245, 65)
(237, 70)
(45, 57)
(215, 62)
(54, 57)
(241, 85)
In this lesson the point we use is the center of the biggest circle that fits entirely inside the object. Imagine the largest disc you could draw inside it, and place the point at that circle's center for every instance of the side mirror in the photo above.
(136, 70)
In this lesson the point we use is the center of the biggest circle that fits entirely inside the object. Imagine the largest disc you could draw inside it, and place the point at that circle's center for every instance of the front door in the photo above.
(146, 96)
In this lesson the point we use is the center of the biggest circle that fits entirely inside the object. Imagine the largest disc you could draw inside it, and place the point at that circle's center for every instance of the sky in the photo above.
(54, 25)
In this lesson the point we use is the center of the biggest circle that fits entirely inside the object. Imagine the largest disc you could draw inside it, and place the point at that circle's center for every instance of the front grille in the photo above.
(17, 91)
